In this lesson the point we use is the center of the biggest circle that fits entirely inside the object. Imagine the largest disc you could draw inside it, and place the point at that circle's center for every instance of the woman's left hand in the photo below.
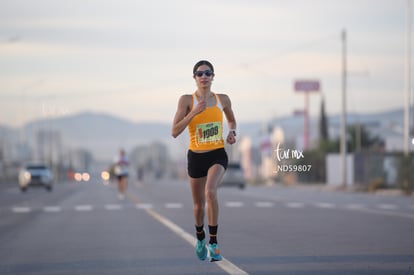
(231, 139)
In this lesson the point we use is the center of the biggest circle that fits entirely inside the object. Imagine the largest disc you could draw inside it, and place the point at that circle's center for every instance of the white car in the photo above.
(234, 176)
(35, 174)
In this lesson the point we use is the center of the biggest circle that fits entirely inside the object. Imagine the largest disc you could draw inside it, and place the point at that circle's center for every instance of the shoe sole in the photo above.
(215, 260)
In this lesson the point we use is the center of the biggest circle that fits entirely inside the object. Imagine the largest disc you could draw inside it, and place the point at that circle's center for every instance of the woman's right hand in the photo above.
(201, 106)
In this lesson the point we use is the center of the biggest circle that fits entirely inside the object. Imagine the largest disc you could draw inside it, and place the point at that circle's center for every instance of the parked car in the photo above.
(35, 174)
(234, 176)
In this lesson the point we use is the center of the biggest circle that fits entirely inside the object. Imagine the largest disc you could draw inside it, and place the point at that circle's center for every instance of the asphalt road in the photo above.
(84, 228)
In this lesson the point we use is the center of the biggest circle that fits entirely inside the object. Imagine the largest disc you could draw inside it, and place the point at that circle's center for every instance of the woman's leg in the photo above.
(214, 177)
(199, 200)
(122, 184)
(119, 179)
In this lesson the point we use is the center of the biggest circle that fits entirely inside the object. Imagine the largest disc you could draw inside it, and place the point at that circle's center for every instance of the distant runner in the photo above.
(121, 172)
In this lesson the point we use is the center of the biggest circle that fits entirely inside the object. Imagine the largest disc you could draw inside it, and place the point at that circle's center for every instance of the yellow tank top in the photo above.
(206, 128)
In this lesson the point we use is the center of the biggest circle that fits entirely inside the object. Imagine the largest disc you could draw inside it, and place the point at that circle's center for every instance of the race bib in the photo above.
(208, 132)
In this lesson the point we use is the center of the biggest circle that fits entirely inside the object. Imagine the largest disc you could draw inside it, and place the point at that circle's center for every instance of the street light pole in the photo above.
(407, 90)
(343, 115)
(407, 81)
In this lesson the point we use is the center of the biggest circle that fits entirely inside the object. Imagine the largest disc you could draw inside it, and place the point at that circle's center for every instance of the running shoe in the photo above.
(214, 252)
(201, 250)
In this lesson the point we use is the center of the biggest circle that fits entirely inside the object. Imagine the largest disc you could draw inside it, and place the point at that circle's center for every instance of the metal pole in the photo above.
(306, 130)
(407, 82)
(407, 89)
(343, 116)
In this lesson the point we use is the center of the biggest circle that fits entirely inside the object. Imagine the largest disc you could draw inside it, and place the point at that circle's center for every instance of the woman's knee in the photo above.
(199, 206)
(211, 194)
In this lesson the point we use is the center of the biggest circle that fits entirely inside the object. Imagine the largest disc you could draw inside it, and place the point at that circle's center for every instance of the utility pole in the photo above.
(343, 115)
(407, 90)
(407, 81)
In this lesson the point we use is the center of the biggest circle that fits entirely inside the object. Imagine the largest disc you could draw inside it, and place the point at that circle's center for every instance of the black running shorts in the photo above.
(199, 163)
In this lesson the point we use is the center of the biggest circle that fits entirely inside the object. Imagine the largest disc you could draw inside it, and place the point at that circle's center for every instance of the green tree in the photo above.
(323, 123)
(360, 139)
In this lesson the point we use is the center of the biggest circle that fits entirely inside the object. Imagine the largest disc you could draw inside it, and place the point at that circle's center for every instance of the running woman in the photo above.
(202, 112)
(121, 172)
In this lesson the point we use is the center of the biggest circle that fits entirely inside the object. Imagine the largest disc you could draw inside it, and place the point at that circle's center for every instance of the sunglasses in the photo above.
(208, 73)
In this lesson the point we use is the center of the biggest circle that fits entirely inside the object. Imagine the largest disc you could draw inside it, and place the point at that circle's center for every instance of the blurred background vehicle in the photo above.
(35, 174)
(234, 176)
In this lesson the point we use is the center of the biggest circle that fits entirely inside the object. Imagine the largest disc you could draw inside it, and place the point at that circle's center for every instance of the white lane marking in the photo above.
(52, 209)
(395, 214)
(83, 208)
(386, 206)
(173, 205)
(21, 209)
(354, 206)
(325, 205)
(234, 204)
(143, 205)
(224, 264)
(295, 204)
(264, 204)
(113, 207)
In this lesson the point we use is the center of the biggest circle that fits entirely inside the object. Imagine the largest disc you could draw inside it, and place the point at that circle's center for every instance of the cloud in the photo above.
(90, 54)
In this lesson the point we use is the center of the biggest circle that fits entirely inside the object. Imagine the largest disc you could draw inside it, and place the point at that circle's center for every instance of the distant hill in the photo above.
(100, 126)
(7, 131)
(100, 133)
(384, 124)
(103, 134)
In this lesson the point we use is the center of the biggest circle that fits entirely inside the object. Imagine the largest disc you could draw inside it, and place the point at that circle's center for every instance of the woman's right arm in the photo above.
(183, 115)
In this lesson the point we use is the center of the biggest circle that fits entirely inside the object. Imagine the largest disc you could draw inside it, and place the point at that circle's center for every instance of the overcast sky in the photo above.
(134, 58)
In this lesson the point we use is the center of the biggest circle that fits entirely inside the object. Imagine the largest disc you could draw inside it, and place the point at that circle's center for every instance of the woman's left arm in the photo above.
(231, 120)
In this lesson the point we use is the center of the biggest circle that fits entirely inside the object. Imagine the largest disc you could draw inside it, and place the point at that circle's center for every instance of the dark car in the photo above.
(35, 174)
(234, 176)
